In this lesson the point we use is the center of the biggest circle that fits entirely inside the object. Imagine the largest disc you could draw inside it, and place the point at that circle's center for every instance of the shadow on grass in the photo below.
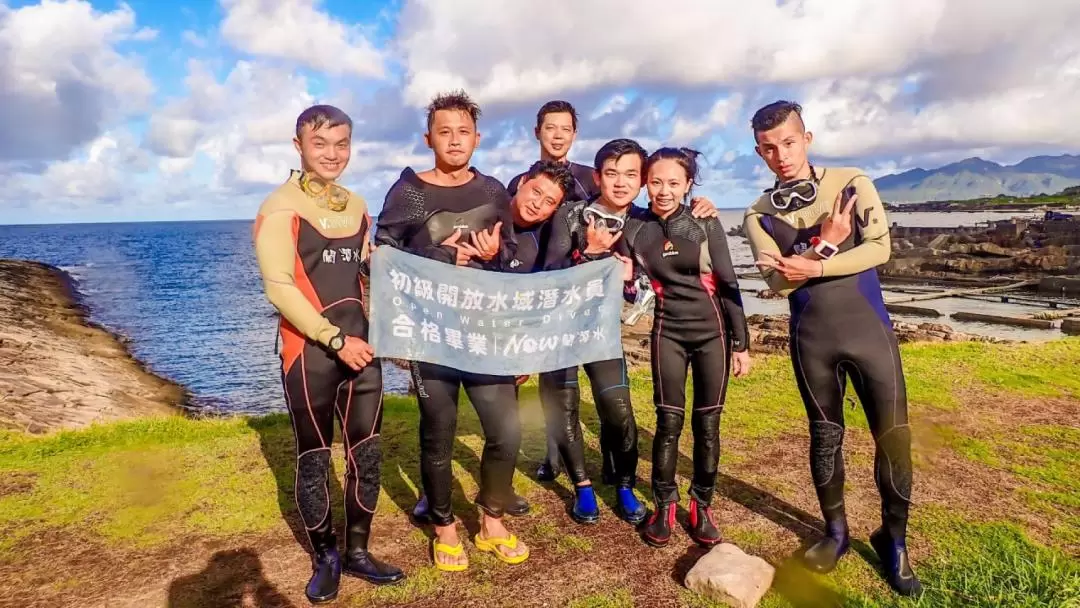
(279, 449)
(231, 578)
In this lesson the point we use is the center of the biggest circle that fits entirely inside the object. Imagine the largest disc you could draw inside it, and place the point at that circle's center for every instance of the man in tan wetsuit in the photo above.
(311, 236)
(818, 235)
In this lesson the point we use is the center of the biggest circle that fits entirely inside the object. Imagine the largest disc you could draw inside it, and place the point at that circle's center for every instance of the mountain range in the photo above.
(977, 178)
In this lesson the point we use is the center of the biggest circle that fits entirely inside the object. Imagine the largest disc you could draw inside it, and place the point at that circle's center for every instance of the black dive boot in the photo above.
(702, 525)
(894, 560)
(325, 566)
(517, 506)
(360, 563)
(824, 554)
(657, 530)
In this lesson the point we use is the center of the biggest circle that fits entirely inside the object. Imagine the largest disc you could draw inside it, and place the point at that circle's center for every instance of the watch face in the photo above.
(337, 342)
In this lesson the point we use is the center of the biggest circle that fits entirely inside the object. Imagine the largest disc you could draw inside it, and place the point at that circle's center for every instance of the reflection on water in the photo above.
(190, 298)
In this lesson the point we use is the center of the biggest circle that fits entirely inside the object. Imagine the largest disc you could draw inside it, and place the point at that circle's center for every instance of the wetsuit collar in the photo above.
(674, 214)
(410, 177)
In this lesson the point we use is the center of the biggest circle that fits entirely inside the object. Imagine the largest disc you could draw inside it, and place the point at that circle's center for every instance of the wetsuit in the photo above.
(839, 327)
(531, 246)
(698, 321)
(585, 187)
(556, 388)
(309, 256)
(416, 217)
(609, 379)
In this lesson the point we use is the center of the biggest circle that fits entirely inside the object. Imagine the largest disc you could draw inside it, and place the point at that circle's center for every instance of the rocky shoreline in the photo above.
(1017, 249)
(60, 370)
(1000, 252)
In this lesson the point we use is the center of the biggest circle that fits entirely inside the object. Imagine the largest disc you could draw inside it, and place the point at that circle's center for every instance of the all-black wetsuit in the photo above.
(531, 247)
(609, 379)
(309, 257)
(698, 321)
(416, 217)
(839, 327)
(585, 188)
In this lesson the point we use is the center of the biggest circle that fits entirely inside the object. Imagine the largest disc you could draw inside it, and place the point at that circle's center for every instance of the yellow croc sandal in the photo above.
(450, 551)
(492, 545)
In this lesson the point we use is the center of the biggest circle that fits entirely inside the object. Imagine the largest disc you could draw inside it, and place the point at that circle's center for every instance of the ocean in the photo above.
(189, 298)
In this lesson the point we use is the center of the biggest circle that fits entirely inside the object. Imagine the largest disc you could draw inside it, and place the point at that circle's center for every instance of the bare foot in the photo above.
(492, 528)
(447, 535)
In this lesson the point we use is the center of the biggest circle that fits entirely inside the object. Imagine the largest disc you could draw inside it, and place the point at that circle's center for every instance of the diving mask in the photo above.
(326, 194)
(602, 219)
(794, 195)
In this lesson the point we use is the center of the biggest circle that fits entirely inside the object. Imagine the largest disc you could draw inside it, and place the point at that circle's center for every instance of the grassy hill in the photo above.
(179, 512)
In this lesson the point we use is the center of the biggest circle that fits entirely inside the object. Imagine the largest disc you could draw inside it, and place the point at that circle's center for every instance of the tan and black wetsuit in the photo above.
(309, 255)
(839, 327)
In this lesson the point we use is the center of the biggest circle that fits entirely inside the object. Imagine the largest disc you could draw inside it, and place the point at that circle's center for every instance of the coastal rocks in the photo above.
(1011, 249)
(58, 370)
(728, 575)
(980, 249)
(770, 333)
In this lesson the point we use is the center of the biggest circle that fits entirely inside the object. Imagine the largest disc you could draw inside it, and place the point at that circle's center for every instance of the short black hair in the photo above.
(555, 107)
(686, 157)
(454, 100)
(322, 115)
(556, 172)
(773, 115)
(617, 148)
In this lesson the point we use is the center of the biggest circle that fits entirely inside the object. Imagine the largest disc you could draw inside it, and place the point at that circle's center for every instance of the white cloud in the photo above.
(63, 80)
(106, 171)
(685, 131)
(885, 85)
(852, 62)
(297, 30)
(194, 39)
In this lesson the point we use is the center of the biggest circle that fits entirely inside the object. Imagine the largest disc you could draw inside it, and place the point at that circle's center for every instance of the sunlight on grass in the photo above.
(146, 483)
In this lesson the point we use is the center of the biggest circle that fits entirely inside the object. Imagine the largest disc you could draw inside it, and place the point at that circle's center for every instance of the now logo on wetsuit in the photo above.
(669, 249)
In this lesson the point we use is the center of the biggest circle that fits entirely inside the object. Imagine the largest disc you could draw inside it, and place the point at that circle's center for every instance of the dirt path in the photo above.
(57, 370)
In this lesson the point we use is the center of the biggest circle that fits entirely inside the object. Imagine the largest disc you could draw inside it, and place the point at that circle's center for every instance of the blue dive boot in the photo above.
(585, 510)
(630, 508)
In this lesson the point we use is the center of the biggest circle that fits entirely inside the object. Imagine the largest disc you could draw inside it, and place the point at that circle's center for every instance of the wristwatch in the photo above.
(823, 248)
(337, 342)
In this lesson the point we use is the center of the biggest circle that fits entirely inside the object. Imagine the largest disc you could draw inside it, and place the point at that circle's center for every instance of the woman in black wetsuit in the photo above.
(699, 321)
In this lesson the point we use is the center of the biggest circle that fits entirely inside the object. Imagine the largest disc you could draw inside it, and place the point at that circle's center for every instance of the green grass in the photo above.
(994, 564)
(150, 483)
(619, 598)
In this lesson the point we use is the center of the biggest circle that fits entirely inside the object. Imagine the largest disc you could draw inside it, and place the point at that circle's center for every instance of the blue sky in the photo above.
(151, 110)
